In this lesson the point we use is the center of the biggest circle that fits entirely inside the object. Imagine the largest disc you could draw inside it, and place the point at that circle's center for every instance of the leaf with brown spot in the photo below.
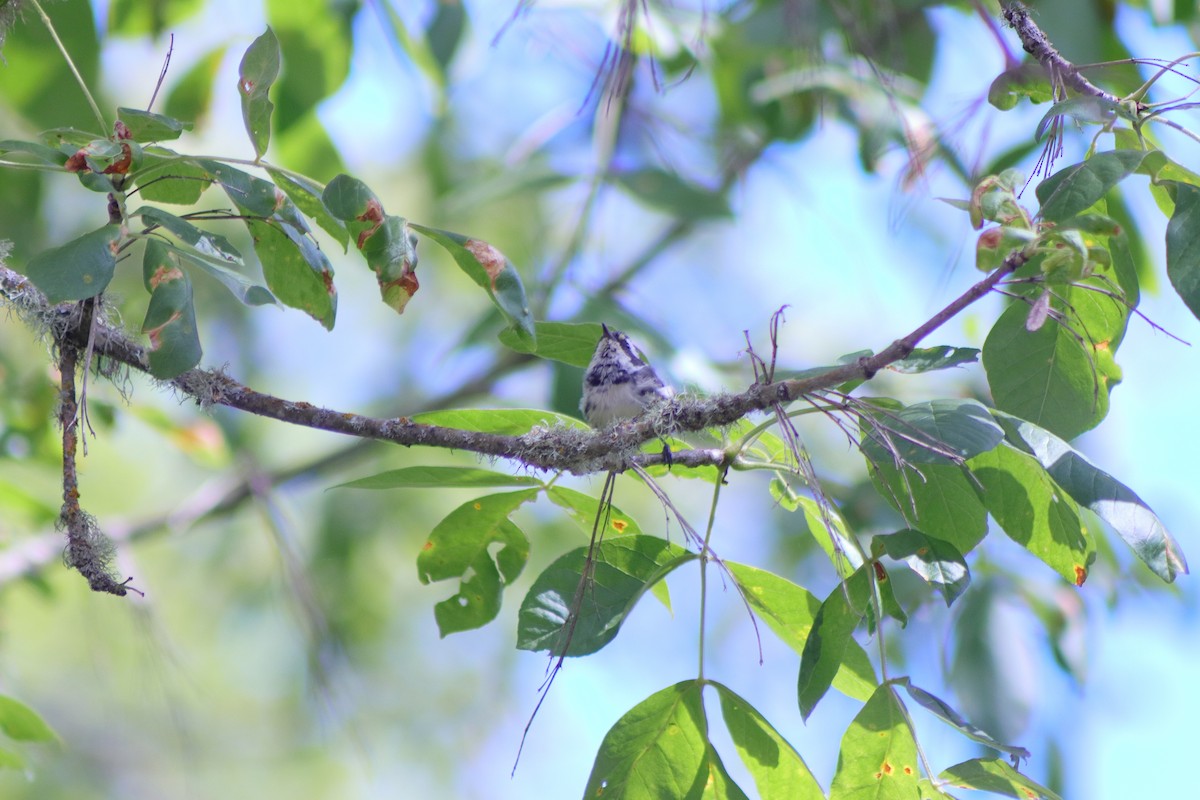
(492, 272)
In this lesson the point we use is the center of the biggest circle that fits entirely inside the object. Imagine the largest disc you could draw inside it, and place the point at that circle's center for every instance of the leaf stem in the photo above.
(70, 65)
(704, 559)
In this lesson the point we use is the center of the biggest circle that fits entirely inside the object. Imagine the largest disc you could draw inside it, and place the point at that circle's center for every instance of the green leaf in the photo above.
(239, 285)
(47, 155)
(832, 630)
(444, 32)
(828, 527)
(20, 722)
(667, 192)
(932, 432)
(1183, 246)
(167, 177)
(79, 269)
(315, 40)
(191, 95)
(208, 243)
(478, 545)
(1109, 499)
(777, 769)
(306, 146)
(296, 270)
(878, 757)
(258, 70)
(170, 316)
(306, 194)
(146, 126)
(658, 749)
(1027, 79)
(254, 197)
(38, 86)
(438, 478)
(494, 273)
(1046, 376)
(11, 760)
(569, 342)
(294, 267)
(583, 508)
(1034, 511)
(503, 421)
(938, 499)
(944, 712)
(623, 568)
(1077, 188)
(927, 359)
(383, 240)
(789, 610)
(937, 562)
(998, 777)
(135, 18)
(782, 493)
(929, 791)
(1086, 109)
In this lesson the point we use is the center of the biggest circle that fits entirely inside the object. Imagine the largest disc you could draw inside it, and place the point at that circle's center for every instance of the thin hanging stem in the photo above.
(70, 64)
(704, 556)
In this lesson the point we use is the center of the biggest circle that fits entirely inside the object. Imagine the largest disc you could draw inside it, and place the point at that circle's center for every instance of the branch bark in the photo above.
(569, 450)
(1037, 45)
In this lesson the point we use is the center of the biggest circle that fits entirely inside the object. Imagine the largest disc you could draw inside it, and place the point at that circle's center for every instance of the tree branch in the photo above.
(570, 450)
(1037, 45)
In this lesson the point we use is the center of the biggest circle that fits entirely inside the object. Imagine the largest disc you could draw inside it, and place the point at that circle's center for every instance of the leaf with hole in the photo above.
(478, 545)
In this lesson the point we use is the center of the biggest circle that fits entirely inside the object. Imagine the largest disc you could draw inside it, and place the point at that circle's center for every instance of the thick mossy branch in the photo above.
(88, 549)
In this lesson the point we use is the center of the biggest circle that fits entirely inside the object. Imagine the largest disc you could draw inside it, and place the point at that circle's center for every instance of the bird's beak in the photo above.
(604, 328)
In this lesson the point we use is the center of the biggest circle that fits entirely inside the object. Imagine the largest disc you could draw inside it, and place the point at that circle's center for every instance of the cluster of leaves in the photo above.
(275, 214)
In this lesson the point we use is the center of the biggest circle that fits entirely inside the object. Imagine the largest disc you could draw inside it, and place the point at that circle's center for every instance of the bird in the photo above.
(618, 384)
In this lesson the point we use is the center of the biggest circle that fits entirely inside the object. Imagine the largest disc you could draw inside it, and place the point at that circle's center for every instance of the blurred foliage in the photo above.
(289, 644)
